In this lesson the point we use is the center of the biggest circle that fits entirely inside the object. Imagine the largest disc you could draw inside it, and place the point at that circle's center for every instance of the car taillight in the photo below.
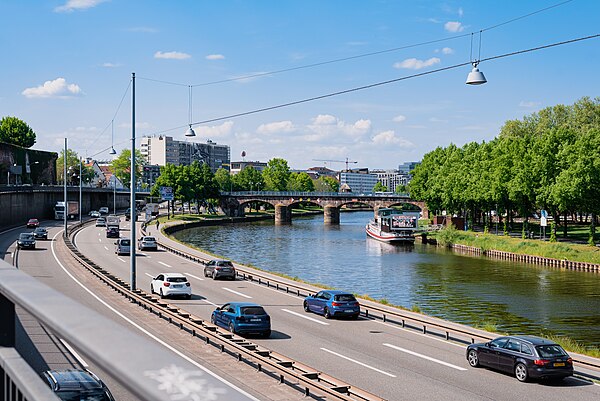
(356, 304)
(166, 284)
(541, 362)
(217, 268)
(336, 304)
(570, 361)
(187, 284)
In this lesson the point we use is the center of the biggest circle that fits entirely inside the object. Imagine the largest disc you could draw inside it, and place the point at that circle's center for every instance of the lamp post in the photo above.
(133, 211)
(80, 203)
(65, 188)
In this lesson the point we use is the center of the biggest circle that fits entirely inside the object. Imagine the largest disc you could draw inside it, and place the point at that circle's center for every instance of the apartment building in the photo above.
(161, 150)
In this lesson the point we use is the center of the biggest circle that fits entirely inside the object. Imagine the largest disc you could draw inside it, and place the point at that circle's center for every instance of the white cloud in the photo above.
(434, 20)
(399, 118)
(215, 57)
(73, 5)
(215, 131)
(58, 88)
(437, 120)
(460, 12)
(390, 138)
(447, 50)
(171, 55)
(415, 64)
(325, 125)
(111, 65)
(529, 104)
(278, 127)
(324, 119)
(453, 26)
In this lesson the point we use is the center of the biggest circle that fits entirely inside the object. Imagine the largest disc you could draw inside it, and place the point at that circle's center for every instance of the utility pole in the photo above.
(133, 211)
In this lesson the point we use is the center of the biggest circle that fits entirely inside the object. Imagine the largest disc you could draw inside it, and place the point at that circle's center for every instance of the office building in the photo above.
(360, 181)
(162, 150)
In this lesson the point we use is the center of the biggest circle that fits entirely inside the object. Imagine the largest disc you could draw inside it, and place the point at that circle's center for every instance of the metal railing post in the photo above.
(7, 317)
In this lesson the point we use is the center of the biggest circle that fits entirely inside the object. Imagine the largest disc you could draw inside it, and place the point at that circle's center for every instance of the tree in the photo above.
(16, 132)
(329, 184)
(248, 179)
(73, 164)
(379, 187)
(224, 180)
(300, 182)
(276, 175)
(121, 166)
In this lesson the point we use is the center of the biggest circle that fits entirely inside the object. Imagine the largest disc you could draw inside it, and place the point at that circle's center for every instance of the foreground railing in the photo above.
(146, 369)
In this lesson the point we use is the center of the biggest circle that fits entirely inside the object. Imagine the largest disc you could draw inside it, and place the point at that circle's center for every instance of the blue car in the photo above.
(332, 303)
(243, 318)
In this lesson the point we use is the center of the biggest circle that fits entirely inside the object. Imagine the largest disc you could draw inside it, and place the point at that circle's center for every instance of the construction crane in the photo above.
(337, 161)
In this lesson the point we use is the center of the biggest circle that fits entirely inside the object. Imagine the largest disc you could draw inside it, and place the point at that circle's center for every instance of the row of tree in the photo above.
(548, 160)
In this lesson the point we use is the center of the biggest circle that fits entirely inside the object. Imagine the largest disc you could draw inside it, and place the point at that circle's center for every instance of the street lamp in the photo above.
(133, 211)
(190, 131)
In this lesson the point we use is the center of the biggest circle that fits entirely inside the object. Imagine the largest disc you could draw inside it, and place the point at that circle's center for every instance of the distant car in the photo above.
(100, 222)
(94, 213)
(523, 356)
(103, 210)
(26, 241)
(168, 284)
(128, 215)
(217, 268)
(123, 246)
(147, 243)
(40, 233)
(112, 232)
(80, 385)
(243, 318)
(332, 303)
(33, 223)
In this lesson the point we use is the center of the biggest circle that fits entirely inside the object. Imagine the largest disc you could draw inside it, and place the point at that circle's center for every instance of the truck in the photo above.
(72, 209)
(112, 221)
(152, 209)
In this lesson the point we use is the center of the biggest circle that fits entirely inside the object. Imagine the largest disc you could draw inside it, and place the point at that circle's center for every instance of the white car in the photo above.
(100, 222)
(168, 284)
(94, 213)
(147, 243)
(104, 210)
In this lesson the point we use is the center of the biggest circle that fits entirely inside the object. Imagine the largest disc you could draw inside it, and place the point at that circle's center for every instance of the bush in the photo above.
(447, 236)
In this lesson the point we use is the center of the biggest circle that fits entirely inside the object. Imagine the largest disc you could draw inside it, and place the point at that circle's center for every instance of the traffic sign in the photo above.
(166, 193)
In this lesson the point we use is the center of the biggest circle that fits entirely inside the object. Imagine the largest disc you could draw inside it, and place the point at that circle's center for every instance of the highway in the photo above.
(42, 350)
(381, 358)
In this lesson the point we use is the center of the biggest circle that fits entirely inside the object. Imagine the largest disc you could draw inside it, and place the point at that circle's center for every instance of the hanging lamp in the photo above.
(112, 139)
(475, 77)
(190, 131)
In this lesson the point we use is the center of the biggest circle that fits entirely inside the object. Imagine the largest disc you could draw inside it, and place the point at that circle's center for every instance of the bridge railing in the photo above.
(313, 195)
(148, 370)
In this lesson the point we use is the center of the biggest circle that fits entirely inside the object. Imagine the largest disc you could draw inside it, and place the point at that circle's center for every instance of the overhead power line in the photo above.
(342, 92)
(358, 56)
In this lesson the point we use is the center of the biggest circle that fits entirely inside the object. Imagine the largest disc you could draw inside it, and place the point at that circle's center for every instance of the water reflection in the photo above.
(518, 298)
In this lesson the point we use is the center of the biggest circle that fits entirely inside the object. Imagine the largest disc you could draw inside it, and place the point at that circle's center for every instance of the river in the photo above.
(518, 298)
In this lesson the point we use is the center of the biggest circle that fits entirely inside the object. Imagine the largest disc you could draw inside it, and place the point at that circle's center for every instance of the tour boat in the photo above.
(390, 225)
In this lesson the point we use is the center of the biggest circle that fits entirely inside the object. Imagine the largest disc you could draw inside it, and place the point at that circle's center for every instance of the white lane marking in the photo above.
(237, 293)
(149, 275)
(105, 247)
(306, 317)
(164, 264)
(208, 302)
(98, 234)
(74, 353)
(99, 239)
(146, 332)
(121, 259)
(419, 334)
(424, 356)
(358, 363)
(196, 277)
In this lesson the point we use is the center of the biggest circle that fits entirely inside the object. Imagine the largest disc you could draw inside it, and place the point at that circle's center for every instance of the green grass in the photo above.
(572, 345)
(556, 250)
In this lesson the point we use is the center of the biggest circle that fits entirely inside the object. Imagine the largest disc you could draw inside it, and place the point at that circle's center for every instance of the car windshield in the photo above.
(40, 230)
(253, 310)
(176, 279)
(344, 298)
(550, 351)
(96, 395)
(225, 263)
(25, 236)
(125, 242)
(149, 239)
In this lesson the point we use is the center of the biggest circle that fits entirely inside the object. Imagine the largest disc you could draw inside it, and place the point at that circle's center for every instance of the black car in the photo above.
(112, 232)
(80, 385)
(26, 241)
(40, 233)
(524, 356)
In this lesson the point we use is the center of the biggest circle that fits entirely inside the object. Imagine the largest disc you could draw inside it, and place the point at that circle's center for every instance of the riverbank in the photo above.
(415, 283)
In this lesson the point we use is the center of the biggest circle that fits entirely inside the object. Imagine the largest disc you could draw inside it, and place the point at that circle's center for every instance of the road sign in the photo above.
(544, 213)
(543, 221)
(166, 193)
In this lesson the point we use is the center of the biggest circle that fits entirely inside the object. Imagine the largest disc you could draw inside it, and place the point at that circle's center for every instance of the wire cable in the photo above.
(342, 92)
(395, 49)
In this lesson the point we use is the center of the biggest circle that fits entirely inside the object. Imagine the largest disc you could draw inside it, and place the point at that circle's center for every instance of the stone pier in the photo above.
(331, 215)
(283, 214)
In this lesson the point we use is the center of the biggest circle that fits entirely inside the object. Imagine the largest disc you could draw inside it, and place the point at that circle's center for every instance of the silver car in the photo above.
(149, 243)
(217, 268)
(123, 246)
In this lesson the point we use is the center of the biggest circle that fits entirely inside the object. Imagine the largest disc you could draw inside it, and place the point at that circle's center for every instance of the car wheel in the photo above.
(306, 308)
(189, 296)
(232, 328)
(151, 289)
(267, 334)
(327, 313)
(161, 293)
(212, 319)
(205, 273)
(214, 275)
(473, 358)
(521, 372)
(355, 317)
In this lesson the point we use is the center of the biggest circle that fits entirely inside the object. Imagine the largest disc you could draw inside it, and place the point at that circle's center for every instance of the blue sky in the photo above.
(67, 65)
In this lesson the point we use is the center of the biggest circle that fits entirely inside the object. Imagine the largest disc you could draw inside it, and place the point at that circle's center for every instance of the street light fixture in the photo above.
(190, 131)
(112, 139)
(476, 77)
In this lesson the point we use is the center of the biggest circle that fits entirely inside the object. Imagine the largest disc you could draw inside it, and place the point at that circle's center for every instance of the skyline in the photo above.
(90, 47)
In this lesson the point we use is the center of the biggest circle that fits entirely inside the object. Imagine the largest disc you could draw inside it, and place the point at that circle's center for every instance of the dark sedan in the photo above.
(26, 241)
(333, 303)
(524, 356)
(40, 233)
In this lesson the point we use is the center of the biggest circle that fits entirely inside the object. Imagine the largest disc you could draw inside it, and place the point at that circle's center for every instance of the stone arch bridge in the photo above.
(233, 203)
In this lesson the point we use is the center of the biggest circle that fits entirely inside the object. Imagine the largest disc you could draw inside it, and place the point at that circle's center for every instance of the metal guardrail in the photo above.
(288, 371)
(371, 310)
(19, 382)
(307, 195)
(149, 371)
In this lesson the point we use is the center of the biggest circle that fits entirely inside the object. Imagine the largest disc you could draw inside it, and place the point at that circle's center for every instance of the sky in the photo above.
(67, 65)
